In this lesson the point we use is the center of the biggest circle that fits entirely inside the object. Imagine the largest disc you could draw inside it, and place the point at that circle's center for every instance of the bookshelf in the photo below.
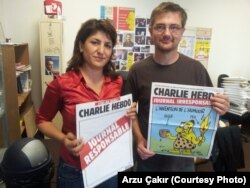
(18, 102)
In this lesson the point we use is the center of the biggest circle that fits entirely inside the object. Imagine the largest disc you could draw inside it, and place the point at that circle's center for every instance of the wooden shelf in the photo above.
(18, 105)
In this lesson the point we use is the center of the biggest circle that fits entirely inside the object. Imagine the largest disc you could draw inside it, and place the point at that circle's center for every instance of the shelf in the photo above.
(17, 103)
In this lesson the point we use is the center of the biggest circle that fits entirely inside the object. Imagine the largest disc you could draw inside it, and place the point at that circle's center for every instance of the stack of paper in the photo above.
(238, 91)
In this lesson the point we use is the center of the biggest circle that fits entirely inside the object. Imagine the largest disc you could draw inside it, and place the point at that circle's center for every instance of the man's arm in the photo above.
(141, 143)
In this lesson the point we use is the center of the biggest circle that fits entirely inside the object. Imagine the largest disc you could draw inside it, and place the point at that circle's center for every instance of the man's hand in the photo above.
(143, 152)
(220, 103)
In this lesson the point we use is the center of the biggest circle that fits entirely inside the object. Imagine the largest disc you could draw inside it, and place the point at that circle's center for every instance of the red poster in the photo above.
(126, 19)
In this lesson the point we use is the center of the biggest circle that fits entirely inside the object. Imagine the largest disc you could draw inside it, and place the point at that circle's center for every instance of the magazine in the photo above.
(106, 129)
(181, 120)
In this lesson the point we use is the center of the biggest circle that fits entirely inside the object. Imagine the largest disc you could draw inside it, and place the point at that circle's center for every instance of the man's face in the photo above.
(49, 65)
(128, 38)
(167, 31)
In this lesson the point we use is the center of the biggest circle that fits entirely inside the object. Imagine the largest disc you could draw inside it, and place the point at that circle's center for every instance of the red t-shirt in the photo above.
(63, 93)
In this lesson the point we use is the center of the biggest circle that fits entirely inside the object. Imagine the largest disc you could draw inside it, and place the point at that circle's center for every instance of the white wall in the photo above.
(229, 20)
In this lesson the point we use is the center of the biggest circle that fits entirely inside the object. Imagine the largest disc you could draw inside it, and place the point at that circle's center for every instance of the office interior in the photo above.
(228, 19)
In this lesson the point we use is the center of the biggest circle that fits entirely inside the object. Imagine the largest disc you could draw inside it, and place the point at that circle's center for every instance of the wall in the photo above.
(229, 20)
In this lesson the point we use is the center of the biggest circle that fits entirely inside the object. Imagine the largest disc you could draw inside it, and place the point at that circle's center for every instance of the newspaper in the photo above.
(107, 131)
(182, 121)
(238, 91)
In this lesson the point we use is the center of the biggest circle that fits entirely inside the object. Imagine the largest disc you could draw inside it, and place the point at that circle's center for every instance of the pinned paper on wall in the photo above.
(52, 7)
(196, 43)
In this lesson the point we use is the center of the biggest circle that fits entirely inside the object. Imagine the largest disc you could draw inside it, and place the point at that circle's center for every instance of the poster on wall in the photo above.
(126, 18)
(203, 45)
(195, 43)
(187, 45)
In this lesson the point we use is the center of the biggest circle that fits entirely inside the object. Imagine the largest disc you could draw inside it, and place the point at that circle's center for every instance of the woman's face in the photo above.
(97, 50)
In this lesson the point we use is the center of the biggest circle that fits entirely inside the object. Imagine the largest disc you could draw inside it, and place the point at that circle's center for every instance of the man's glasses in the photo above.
(173, 28)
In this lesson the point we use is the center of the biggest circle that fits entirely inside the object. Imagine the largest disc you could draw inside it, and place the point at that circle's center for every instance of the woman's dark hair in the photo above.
(87, 29)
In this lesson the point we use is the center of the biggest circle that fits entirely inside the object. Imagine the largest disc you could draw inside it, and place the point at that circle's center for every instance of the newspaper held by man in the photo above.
(182, 121)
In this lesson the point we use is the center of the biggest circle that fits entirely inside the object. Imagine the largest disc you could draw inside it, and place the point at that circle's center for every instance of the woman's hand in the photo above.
(73, 144)
(132, 112)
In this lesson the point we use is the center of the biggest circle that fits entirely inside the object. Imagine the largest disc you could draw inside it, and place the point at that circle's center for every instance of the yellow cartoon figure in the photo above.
(185, 140)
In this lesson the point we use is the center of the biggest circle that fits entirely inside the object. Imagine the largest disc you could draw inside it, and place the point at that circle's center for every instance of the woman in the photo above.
(90, 76)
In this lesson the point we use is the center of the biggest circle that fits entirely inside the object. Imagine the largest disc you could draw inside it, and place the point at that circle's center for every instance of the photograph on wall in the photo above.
(140, 40)
(128, 40)
(140, 31)
(121, 54)
(140, 22)
(138, 57)
(51, 65)
(149, 41)
(119, 40)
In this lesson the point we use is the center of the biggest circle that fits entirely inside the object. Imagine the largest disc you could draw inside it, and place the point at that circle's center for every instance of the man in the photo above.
(49, 65)
(128, 41)
(167, 25)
